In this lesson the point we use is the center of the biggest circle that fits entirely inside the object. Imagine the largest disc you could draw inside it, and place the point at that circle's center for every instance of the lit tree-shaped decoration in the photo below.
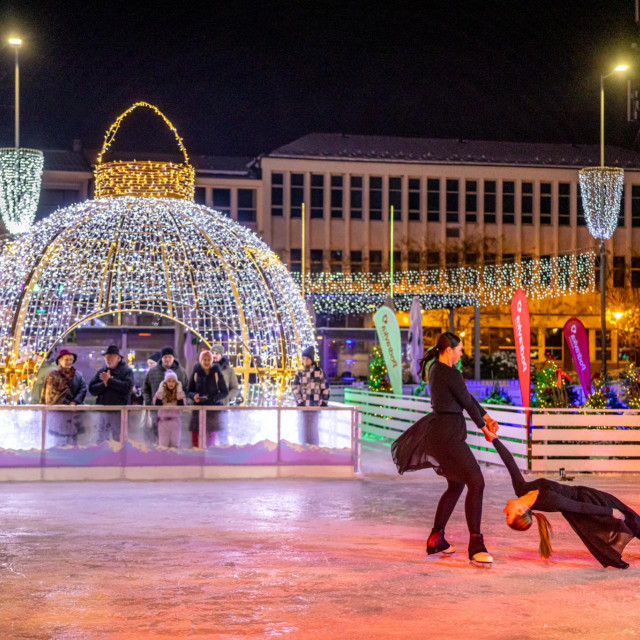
(144, 246)
(20, 172)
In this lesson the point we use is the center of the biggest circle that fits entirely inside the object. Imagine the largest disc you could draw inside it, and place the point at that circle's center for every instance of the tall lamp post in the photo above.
(601, 189)
(20, 170)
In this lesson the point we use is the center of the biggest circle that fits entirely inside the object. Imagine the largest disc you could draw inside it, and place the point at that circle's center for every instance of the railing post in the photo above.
(43, 437)
(124, 425)
(279, 433)
(202, 428)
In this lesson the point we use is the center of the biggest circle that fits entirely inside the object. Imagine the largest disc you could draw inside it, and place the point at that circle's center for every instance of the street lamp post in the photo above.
(16, 43)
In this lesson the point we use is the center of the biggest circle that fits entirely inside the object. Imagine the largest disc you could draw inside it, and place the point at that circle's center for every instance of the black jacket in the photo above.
(212, 385)
(118, 389)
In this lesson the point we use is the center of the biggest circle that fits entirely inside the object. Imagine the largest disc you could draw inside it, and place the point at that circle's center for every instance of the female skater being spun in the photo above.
(603, 523)
(438, 441)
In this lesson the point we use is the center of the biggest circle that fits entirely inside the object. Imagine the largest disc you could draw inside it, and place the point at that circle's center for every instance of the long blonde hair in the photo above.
(524, 522)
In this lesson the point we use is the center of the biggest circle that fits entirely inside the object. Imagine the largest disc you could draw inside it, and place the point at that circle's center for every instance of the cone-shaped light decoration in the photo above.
(601, 189)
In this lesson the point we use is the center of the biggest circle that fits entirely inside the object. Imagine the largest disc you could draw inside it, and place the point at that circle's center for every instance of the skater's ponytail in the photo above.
(446, 339)
(524, 522)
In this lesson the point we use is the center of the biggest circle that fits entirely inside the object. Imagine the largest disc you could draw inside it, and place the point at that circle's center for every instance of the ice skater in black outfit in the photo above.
(604, 523)
(438, 441)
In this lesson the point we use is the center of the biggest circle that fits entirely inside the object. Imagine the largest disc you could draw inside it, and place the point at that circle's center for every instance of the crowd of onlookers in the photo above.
(213, 381)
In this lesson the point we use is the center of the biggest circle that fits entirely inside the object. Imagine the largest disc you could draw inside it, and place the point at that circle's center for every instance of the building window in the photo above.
(222, 201)
(336, 196)
(490, 259)
(508, 202)
(296, 260)
(580, 209)
(635, 205)
(246, 205)
(356, 262)
(433, 260)
(395, 197)
(553, 343)
(356, 197)
(414, 199)
(607, 337)
(452, 200)
(277, 194)
(451, 260)
(200, 196)
(52, 199)
(545, 271)
(375, 198)
(635, 273)
(335, 261)
(471, 200)
(397, 261)
(508, 258)
(433, 200)
(619, 269)
(414, 260)
(317, 258)
(545, 203)
(317, 195)
(526, 202)
(296, 193)
(621, 212)
(489, 201)
(564, 204)
(471, 259)
(375, 261)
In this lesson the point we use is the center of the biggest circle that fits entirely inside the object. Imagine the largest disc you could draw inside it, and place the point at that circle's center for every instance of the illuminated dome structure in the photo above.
(144, 246)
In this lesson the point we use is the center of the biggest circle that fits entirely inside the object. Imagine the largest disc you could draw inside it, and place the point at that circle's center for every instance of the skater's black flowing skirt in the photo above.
(436, 441)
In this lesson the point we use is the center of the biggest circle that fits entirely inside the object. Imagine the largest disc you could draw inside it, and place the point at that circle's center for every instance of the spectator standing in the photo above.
(206, 388)
(64, 386)
(112, 386)
(230, 376)
(155, 375)
(169, 394)
(310, 389)
(46, 368)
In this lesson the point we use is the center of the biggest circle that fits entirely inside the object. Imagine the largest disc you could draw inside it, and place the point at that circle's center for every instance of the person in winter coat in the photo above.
(112, 385)
(46, 368)
(169, 394)
(155, 375)
(65, 386)
(230, 376)
(206, 388)
(310, 389)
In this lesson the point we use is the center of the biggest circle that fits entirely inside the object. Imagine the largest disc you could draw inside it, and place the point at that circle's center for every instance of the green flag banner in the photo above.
(389, 336)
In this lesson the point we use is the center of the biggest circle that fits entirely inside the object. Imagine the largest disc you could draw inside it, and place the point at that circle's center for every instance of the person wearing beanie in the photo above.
(230, 376)
(153, 360)
(310, 389)
(207, 387)
(112, 386)
(155, 375)
(169, 394)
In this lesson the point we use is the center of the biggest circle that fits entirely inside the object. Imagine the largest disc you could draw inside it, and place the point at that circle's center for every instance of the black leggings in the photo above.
(461, 469)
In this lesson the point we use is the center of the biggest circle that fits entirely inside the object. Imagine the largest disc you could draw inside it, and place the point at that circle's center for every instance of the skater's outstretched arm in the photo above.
(460, 392)
(517, 480)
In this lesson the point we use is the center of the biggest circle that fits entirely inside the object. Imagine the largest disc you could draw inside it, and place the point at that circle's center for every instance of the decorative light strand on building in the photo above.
(344, 294)
(601, 189)
(20, 182)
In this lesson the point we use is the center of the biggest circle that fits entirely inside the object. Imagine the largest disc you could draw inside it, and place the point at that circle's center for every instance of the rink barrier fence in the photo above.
(576, 440)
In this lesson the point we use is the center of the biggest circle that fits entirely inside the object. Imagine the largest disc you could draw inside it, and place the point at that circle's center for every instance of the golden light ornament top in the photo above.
(144, 178)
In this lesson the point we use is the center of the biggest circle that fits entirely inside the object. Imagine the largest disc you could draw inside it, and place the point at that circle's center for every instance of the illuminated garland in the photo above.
(601, 189)
(345, 294)
(20, 181)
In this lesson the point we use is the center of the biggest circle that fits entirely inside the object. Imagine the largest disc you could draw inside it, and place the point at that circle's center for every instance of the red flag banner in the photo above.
(522, 338)
(578, 340)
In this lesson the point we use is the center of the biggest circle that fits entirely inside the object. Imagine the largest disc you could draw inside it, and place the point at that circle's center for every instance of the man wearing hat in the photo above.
(112, 385)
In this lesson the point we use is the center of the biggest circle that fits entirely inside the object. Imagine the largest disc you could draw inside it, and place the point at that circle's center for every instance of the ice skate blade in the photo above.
(482, 559)
(449, 551)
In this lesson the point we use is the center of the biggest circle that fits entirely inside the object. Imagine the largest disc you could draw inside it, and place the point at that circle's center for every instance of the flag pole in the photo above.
(391, 252)
(304, 261)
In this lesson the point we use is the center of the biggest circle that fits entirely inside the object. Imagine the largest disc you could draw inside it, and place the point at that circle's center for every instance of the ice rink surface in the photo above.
(295, 559)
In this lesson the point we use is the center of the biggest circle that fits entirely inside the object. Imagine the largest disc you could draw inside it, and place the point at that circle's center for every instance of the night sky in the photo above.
(242, 78)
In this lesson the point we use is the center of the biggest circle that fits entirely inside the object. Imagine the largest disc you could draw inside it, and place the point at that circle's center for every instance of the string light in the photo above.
(345, 294)
(160, 255)
(20, 182)
(143, 178)
(601, 189)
